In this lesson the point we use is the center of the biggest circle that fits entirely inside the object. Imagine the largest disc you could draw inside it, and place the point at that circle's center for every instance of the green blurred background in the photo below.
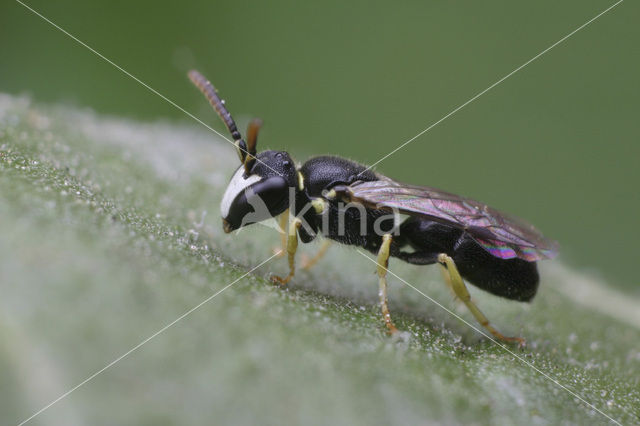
(557, 143)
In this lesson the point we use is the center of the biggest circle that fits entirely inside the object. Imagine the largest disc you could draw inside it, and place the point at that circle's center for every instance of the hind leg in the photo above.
(458, 286)
(383, 263)
(447, 279)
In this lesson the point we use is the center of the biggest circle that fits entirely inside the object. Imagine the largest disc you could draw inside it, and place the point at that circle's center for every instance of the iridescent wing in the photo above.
(501, 235)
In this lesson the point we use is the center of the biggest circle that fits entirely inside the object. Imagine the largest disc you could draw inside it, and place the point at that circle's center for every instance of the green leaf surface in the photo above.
(110, 232)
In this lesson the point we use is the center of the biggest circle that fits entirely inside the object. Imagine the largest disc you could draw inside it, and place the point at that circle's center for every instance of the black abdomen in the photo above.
(514, 279)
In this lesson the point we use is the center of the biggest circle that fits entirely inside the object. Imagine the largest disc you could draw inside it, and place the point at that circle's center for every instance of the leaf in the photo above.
(110, 232)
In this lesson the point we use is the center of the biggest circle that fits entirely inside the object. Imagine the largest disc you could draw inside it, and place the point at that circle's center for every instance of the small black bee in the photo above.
(470, 240)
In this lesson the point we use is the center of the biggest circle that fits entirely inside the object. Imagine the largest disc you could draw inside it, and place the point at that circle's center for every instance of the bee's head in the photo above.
(259, 194)
(259, 189)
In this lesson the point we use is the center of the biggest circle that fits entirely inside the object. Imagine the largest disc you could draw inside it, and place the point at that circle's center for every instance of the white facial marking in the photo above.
(237, 184)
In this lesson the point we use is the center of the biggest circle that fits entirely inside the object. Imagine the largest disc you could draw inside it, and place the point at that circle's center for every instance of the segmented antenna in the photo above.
(211, 94)
(252, 142)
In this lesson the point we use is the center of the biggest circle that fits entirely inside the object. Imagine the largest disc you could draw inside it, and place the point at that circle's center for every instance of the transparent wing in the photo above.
(501, 235)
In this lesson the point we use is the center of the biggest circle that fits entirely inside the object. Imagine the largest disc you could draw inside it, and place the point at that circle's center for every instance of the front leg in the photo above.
(282, 224)
(292, 247)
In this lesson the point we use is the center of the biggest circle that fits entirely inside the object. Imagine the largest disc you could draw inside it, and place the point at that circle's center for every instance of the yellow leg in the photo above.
(292, 247)
(383, 263)
(309, 263)
(458, 286)
(447, 279)
(282, 222)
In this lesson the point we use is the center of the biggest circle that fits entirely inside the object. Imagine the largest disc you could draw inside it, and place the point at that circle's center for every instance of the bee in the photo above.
(468, 239)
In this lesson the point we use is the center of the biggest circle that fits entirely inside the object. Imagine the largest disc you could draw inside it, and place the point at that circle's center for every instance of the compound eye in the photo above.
(273, 193)
(237, 185)
(253, 200)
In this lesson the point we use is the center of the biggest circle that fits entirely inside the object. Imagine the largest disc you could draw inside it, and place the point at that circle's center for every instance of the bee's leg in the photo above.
(283, 220)
(447, 279)
(308, 263)
(458, 286)
(383, 263)
(292, 247)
